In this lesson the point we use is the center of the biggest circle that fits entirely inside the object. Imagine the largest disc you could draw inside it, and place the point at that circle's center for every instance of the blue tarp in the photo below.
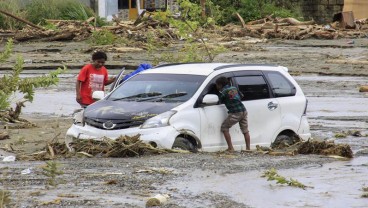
(140, 68)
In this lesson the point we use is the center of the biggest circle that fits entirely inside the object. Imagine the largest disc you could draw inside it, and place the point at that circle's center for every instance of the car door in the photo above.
(118, 79)
(292, 105)
(211, 118)
(264, 113)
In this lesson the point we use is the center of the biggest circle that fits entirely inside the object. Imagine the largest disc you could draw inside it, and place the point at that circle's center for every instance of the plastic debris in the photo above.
(158, 200)
(10, 158)
(26, 171)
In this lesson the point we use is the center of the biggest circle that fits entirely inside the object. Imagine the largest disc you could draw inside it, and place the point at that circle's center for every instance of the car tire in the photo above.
(284, 141)
(184, 144)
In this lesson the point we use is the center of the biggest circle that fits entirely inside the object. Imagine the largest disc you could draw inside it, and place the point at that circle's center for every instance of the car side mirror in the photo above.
(98, 95)
(210, 99)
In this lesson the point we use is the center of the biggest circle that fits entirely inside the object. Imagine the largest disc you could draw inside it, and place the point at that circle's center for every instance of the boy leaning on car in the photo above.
(92, 77)
(237, 113)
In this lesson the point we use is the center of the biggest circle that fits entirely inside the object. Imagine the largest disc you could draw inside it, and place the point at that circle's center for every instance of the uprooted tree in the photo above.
(12, 83)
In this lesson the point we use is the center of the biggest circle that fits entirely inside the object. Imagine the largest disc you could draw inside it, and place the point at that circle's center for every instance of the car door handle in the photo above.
(272, 106)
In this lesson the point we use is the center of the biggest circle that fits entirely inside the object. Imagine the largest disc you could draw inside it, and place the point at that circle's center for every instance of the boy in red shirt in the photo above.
(92, 77)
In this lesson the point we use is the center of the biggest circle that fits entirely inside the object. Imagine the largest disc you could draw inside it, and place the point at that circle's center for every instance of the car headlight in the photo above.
(158, 121)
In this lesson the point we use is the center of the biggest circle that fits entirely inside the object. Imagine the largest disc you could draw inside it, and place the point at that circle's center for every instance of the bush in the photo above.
(39, 10)
(255, 9)
(102, 37)
(11, 83)
(13, 7)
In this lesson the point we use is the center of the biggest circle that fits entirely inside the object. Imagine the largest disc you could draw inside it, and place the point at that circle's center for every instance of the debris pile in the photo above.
(325, 148)
(124, 146)
(66, 30)
(269, 27)
(309, 147)
(290, 28)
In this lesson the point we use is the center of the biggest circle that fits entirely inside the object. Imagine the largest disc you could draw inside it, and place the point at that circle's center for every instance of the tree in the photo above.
(9, 84)
(203, 5)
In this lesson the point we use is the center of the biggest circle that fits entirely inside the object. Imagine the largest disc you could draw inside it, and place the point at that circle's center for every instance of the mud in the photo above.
(202, 179)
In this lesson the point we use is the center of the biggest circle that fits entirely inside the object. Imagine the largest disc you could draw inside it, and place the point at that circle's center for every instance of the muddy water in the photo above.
(337, 184)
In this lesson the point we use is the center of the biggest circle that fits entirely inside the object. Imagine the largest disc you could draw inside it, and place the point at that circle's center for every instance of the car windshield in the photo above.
(158, 88)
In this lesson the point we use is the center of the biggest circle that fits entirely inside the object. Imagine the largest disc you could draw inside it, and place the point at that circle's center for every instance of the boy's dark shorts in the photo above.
(234, 118)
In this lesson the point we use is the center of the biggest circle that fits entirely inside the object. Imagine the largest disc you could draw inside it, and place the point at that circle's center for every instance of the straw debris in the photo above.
(124, 146)
(309, 147)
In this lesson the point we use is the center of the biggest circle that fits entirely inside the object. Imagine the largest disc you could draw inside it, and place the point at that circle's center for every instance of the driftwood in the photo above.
(64, 36)
(4, 135)
(241, 20)
(22, 20)
(363, 88)
(293, 21)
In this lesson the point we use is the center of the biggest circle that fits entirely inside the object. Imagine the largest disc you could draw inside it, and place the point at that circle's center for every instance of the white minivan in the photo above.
(177, 106)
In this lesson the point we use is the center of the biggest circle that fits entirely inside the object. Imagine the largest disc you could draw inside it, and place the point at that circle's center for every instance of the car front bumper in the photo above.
(163, 137)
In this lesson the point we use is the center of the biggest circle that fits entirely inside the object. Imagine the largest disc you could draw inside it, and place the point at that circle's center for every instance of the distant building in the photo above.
(129, 9)
(358, 7)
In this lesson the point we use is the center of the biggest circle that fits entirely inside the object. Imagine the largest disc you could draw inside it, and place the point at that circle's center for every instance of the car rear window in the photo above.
(280, 85)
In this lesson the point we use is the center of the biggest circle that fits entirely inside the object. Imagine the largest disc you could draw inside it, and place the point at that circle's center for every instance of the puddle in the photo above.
(336, 184)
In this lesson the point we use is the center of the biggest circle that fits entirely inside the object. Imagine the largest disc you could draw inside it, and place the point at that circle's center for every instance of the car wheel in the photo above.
(184, 144)
(283, 141)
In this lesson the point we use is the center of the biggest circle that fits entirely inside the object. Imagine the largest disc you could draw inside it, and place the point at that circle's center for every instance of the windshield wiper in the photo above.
(161, 98)
(140, 95)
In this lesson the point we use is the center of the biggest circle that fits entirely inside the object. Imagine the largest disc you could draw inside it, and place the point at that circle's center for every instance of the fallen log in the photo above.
(22, 20)
(64, 36)
(294, 21)
(325, 35)
(261, 21)
(256, 22)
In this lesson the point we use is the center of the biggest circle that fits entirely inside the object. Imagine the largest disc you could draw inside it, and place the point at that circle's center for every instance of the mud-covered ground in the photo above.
(202, 179)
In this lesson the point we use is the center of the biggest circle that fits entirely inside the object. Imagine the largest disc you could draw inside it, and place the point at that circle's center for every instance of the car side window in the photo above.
(252, 87)
(280, 85)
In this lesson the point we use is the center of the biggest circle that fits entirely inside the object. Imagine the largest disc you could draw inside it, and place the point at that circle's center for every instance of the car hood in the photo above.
(116, 110)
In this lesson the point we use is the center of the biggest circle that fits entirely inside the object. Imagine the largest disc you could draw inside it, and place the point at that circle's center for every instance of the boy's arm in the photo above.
(221, 96)
(110, 80)
(77, 91)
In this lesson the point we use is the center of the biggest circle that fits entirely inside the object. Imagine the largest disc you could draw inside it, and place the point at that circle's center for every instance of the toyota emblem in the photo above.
(108, 125)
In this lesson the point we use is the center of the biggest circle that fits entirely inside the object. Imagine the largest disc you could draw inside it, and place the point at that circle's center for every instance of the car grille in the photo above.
(120, 124)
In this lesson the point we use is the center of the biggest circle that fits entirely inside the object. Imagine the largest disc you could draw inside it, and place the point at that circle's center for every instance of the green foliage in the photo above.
(50, 26)
(255, 9)
(187, 27)
(341, 135)
(102, 37)
(12, 83)
(39, 10)
(4, 198)
(51, 170)
(7, 51)
(272, 175)
(13, 7)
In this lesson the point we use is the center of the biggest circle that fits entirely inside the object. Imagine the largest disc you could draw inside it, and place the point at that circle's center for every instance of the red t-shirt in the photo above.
(92, 80)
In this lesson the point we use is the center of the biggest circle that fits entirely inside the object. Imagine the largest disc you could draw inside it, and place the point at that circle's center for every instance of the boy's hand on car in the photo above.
(79, 98)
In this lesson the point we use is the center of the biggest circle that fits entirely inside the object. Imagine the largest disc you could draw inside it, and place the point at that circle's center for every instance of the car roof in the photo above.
(203, 68)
